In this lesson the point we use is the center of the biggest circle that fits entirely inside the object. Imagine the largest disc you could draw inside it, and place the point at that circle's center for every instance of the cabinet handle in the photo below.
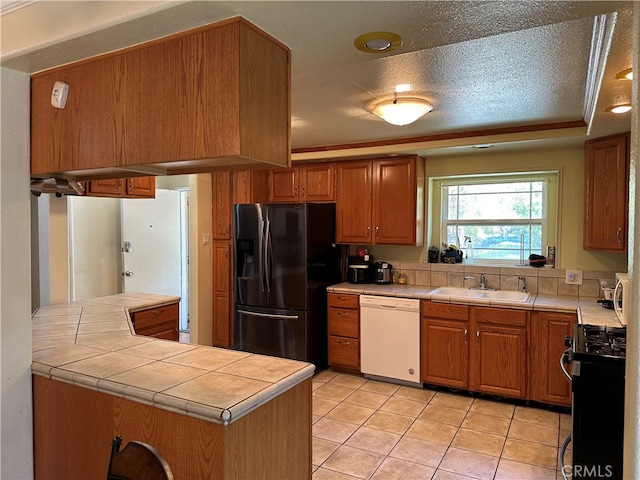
(295, 191)
(344, 344)
(618, 234)
(226, 229)
(477, 337)
(368, 231)
(226, 252)
(466, 336)
(303, 193)
(342, 314)
(342, 298)
(157, 313)
(377, 233)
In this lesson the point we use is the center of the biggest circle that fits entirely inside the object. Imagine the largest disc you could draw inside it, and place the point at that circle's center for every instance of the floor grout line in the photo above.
(434, 394)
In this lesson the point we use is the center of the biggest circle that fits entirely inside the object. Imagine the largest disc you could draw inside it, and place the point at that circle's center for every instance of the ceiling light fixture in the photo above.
(621, 108)
(402, 111)
(625, 74)
(378, 42)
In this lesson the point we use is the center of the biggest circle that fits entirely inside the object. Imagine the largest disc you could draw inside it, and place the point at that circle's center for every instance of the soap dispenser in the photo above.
(468, 247)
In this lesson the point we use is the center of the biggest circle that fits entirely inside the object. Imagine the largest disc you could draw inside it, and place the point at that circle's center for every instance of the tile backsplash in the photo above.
(549, 281)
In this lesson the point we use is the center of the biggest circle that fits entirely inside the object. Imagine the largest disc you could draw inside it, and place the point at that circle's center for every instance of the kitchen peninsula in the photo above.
(212, 413)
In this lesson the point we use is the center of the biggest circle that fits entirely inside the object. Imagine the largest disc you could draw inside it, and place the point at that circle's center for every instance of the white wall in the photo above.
(16, 438)
(94, 246)
(53, 249)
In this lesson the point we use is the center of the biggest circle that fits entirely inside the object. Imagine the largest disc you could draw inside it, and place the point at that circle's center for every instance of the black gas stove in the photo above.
(599, 343)
(597, 382)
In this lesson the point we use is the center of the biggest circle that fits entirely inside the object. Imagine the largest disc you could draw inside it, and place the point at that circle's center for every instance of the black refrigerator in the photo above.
(285, 256)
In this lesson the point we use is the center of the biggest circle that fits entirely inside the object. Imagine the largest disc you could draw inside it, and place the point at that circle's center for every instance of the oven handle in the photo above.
(566, 355)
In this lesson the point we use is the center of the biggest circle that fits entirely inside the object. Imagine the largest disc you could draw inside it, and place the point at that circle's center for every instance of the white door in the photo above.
(151, 244)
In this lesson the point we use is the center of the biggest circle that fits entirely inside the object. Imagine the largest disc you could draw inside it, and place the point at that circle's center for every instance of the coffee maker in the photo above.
(382, 272)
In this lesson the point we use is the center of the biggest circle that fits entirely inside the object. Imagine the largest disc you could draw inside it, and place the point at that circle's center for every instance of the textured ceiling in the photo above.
(483, 65)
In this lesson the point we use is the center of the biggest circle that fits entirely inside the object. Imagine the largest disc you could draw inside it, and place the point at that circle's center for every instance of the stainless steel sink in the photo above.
(505, 295)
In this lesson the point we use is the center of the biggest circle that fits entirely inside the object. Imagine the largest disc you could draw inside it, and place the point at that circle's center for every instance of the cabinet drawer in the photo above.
(344, 301)
(344, 322)
(444, 310)
(155, 316)
(344, 352)
(500, 316)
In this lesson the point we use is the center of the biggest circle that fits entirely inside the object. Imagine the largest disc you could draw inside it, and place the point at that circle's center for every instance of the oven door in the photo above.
(597, 417)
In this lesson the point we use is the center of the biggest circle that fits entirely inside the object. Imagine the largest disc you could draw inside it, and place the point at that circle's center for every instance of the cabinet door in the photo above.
(394, 200)
(112, 187)
(221, 294)
(353, 202)
(548, 383)
(317, 183)
(344, 352)
(89, 131)
(445, 352)
(250, 186)
(499, 360)
(141, 187)
(606, 193)
(283, 185)
(221, 183)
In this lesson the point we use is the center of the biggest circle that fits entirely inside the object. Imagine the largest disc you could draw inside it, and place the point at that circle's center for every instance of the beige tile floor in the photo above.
(375, 430)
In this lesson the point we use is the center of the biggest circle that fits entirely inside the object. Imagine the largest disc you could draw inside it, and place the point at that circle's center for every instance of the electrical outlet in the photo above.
(573, 277)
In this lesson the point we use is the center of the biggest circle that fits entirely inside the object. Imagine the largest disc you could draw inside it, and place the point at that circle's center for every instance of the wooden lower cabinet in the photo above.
(158, 322)
(498, 351)
(548, 330)
(344, 331)
(272, 441)
(445, 353)
(222, 292)
(480, 349)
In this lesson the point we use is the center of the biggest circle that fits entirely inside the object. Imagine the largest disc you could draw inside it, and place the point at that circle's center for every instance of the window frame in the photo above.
(548, 221)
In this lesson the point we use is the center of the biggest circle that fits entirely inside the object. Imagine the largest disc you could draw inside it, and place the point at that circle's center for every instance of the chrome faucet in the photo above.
(482, 283)
(522, 284)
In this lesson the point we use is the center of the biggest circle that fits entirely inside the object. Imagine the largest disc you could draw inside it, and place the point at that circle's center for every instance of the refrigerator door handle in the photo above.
(267, 256)
(268, 315)
(260, 255)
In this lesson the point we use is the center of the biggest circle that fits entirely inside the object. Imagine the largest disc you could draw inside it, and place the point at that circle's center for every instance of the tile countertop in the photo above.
(92, 344)
(589, 312)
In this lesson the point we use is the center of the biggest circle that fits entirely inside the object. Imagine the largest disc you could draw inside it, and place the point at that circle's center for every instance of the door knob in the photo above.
(128, 273)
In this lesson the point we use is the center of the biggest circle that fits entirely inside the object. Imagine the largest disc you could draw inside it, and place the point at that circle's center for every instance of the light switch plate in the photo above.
(206, 238)
(573, 277)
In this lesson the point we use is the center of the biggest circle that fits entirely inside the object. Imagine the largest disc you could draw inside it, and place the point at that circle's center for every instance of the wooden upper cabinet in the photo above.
(283, 184)
(317, 182)
(135, 187)
(305, 183)
(606, 203)
(250, 186)
(141, 187)
(380, 202)
(354, 202)
(178, 103)
(112, 187)
(221, 195)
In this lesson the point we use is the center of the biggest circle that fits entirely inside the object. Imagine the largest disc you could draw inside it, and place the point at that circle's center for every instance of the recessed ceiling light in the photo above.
(377, 42)
(625, 74)
(621, 108)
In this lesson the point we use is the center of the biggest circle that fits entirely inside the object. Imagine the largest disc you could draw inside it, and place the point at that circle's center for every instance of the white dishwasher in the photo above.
(390, 338)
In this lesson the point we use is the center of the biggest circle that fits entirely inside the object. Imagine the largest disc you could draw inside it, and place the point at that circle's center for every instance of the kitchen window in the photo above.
(507, 217)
